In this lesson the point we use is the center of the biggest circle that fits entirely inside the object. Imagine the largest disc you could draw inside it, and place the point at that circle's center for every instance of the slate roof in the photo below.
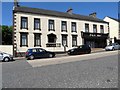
(57, 14)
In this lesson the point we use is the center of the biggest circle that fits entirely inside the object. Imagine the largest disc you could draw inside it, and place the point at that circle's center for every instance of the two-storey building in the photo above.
(114, 29)
(56, 31)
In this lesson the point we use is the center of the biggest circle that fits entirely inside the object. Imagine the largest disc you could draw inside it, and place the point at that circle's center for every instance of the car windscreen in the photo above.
(28, 50)
(112, 44)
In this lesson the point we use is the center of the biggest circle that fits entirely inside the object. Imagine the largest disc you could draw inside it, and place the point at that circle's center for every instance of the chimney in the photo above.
(93, 14)
(70, 10)
(16, 3)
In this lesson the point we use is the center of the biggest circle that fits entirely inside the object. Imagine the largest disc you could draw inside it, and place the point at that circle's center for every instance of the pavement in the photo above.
(93, 50)
(64, 59)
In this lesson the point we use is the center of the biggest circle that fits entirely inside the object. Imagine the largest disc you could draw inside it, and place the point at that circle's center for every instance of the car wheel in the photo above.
(113, 49)
(6, 59)
(50, 55)
(31, 57)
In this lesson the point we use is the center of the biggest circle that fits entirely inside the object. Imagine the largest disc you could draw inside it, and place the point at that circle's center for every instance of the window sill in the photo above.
(51, 29)
(74, 31)
(64, 30)
(37, 29)
(24, 28)
(37, 45)
(23, 45)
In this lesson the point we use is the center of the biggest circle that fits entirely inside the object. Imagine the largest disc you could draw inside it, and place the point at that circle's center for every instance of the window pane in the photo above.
(37, 40)
(24, 40)
(37, 23)
(95, 28)
(74, 40)
(23, 22)
(73, 27)
(64, 25)
(51, 24)
(64, 40)
(86, 27)
(101, 29)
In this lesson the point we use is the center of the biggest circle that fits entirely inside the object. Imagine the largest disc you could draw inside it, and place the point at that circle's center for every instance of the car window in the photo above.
(34, 50)
(41, 50)
(28, 50)
(80, 46)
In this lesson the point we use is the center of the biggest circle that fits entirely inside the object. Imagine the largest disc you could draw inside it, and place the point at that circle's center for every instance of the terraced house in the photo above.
(56, 31)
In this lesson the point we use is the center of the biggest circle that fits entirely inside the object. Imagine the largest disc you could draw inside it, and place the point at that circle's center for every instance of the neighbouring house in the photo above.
(56, 31)
(114, 29)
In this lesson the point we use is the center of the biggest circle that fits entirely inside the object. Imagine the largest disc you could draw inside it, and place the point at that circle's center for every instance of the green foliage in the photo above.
(7, 35)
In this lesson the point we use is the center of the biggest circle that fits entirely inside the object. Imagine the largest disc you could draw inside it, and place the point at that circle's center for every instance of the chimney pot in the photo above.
(93, 14)
(70, 10)
(16, 3)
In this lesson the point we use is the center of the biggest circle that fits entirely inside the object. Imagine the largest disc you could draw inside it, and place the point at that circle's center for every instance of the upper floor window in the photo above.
(64, 26)
(36, 24)
(24, 23)
(51, 25)
(86, 27)
(101, 28)
(94, 28)
(73, 25)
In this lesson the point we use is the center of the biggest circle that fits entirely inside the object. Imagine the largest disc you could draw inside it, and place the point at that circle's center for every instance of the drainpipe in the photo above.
(64, 47)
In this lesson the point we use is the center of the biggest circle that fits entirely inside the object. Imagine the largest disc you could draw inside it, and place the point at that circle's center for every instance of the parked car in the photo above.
(112, 46)
(82, 49)
(38, 53)
(5, 57)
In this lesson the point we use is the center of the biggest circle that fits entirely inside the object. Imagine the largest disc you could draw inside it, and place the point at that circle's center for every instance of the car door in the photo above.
(42, 53)
(80, 49)
(84, 49)
(35, 53)
(1, 56)
(117, 46)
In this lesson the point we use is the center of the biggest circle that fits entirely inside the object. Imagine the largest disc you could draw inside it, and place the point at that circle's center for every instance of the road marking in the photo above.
(59, 60)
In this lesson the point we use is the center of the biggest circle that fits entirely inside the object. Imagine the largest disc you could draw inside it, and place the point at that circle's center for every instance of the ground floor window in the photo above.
(37, 39)
(24, 39)
(74, 40)
(64, 40)
(96, 43)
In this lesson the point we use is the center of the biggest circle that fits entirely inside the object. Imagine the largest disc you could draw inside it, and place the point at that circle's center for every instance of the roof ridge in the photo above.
(57, 13)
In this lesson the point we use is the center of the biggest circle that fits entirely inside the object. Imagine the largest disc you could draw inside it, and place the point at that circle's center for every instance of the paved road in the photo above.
(98, 70)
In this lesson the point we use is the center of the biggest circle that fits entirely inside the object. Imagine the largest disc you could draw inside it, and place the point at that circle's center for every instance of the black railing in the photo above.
(53, 45)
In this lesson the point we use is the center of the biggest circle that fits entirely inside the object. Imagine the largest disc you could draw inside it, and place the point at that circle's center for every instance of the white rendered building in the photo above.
(114, 29)
(56, 31)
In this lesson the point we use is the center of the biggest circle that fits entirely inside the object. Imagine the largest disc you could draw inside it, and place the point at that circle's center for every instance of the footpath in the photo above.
(93, 50)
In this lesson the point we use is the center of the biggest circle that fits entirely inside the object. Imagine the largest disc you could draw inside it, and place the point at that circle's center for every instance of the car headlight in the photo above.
(11, 55)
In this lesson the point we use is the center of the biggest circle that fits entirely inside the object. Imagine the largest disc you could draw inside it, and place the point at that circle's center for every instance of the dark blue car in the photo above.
(38, 53)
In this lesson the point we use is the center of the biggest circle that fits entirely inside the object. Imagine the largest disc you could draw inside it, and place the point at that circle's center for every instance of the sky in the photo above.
(84, 8)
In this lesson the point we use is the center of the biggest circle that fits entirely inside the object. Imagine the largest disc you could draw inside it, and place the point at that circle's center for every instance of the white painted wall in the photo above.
(7, 49)
(57, 32)
(113, 28)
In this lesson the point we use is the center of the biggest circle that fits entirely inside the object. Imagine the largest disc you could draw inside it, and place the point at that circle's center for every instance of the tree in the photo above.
(7, 35)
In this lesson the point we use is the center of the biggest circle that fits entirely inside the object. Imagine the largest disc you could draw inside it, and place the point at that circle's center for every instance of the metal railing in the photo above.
(53, 45)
